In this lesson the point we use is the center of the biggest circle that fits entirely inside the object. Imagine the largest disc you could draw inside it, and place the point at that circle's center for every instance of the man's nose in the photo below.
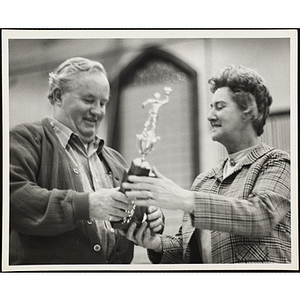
(97, 109)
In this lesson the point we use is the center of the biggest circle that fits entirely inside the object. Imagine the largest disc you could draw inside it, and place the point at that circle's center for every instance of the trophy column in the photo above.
(139, 166)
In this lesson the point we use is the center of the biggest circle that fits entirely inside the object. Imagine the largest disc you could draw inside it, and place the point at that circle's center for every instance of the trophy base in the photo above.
(138, 168)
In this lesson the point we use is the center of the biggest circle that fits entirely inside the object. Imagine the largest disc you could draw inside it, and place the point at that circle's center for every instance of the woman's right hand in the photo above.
(144, 237)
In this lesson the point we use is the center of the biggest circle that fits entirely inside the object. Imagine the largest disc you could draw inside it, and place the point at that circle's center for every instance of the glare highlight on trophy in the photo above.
(145, 144)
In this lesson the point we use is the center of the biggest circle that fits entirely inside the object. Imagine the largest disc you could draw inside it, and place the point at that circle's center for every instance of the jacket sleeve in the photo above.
(172, 250)
(255, 214)
(34, 209)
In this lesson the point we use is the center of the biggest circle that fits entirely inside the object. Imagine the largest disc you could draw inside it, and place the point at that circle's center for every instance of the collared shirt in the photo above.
(235, 159)
(92, 173)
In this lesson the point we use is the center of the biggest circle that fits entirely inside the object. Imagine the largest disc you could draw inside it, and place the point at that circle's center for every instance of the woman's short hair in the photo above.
(62, 76)
(247, 86)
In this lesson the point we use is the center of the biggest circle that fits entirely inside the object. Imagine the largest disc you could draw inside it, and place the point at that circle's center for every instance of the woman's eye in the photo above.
(220, 106)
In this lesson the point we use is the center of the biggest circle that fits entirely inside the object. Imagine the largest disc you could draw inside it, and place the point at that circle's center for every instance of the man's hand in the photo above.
(108, 204)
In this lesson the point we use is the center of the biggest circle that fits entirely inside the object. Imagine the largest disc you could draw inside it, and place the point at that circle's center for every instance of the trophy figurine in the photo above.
(139, 166)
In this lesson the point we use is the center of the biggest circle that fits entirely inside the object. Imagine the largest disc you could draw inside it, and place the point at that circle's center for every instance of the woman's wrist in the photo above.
(159, 248)
(188, 201)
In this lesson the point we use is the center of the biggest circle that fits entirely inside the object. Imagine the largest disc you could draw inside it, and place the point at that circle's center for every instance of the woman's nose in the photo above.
(211, 116)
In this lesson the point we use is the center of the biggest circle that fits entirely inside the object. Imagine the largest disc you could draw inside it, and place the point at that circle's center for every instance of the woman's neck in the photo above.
(241, 145)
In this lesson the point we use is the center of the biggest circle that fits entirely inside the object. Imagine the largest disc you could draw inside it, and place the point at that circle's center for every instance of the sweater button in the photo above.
(75, 170)
(97, 247)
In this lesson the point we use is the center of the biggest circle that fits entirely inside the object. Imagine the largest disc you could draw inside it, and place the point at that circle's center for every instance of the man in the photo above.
(64, 181)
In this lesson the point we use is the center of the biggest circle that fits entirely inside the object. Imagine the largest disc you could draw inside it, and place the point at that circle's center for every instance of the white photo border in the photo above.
(148, 33)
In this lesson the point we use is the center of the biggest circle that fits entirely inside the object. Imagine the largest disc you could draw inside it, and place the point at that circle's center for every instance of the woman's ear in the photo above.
(247, 115)
(57, 96)
(251, 113)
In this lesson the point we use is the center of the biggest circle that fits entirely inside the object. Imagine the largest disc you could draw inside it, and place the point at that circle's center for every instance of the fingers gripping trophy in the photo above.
(139, 166)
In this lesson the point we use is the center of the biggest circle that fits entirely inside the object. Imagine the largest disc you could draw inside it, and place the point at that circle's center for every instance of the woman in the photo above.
(238, 212)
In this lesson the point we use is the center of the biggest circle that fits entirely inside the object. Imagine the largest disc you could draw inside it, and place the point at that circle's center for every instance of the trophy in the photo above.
(139, 166)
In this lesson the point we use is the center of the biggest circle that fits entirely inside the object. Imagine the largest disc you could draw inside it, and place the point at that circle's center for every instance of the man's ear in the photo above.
(57, 96)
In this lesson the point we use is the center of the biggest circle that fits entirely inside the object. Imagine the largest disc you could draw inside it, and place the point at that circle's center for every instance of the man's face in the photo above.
(84, 106)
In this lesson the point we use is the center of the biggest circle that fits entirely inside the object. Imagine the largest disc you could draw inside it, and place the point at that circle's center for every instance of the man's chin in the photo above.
(86, 139)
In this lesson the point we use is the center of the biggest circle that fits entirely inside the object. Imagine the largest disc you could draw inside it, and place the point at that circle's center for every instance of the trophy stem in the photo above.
(140, 167)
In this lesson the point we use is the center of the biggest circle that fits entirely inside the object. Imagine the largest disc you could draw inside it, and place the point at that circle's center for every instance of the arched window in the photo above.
(176, 155)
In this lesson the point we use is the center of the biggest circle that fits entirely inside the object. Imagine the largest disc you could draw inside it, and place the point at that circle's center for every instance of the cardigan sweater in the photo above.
(49, 212)
(248, 214)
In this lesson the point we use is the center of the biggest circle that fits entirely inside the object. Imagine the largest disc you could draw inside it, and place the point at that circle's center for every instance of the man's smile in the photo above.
(90, 120)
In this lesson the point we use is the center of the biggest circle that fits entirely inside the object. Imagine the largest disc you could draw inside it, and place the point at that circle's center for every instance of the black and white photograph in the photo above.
(150, 150)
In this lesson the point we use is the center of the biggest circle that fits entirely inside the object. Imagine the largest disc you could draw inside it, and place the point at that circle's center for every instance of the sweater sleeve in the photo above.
(35, 209)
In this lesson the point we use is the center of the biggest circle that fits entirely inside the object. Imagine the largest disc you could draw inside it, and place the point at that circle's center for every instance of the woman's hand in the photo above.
(155, 219)
(158, 191)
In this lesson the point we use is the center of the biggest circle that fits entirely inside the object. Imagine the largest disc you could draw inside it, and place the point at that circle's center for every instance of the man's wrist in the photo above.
(80, 205)
(93, 200)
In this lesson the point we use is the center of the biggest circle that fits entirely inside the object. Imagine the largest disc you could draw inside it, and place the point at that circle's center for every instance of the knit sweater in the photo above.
(49, 212)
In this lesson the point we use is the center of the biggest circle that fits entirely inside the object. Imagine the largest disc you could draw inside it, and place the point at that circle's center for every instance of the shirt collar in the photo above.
(64, 133)
(258, 151)
(238, 157)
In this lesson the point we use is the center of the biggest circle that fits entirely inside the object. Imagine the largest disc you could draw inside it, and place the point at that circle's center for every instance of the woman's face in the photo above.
(226, 118)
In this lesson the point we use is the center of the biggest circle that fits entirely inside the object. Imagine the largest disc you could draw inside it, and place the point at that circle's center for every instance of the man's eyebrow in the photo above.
(92, 96)
(88, 95)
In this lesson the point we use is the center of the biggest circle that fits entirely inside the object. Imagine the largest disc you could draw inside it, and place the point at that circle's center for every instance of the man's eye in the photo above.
(103, 104)
(88, 100)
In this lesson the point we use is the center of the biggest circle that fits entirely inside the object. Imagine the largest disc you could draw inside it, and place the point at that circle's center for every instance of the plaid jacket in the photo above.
(248, 213)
